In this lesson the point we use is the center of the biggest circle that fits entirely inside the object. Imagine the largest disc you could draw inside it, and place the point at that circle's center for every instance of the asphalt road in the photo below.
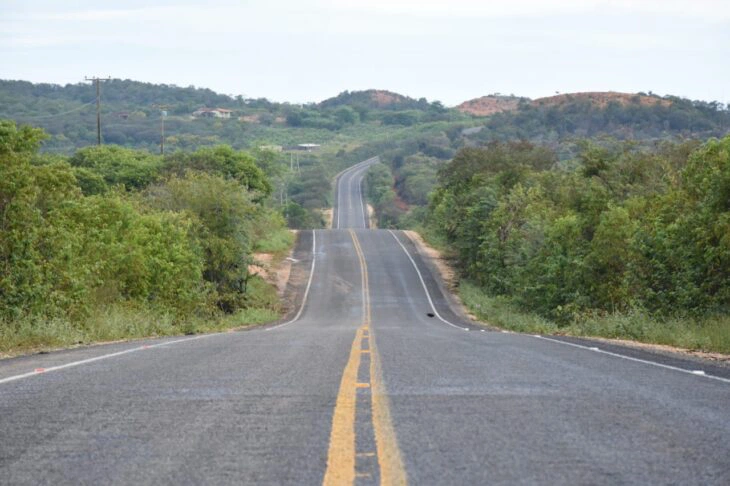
(363, 386)
(350, 210)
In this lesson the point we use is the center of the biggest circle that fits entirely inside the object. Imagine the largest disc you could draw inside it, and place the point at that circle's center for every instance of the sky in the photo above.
(309, 50)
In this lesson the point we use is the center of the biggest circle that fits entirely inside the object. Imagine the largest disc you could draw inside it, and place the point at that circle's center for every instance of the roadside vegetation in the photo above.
(113, 243)
(628, 243)
(591, 214)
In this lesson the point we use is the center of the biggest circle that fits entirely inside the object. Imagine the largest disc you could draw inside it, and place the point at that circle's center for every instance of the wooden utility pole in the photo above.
(163, 114)
(98, 104)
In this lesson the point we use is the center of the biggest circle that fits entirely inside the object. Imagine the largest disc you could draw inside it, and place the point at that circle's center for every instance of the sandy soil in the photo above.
(371, 216)
(274, 272)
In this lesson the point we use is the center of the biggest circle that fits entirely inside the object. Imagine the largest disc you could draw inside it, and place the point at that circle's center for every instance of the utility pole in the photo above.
(96, 81)
(163, 114)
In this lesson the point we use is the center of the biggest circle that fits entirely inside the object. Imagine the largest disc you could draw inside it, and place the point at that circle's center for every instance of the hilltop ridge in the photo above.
(495, 103)
(375, 99)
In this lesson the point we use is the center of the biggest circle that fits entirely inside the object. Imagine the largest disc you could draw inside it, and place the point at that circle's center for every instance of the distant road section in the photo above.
(350, 210)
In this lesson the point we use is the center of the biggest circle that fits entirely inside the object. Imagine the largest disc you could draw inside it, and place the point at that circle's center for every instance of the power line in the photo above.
(96, 81)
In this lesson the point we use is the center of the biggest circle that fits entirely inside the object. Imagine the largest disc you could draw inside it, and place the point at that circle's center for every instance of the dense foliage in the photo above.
(379, 189)
(111, 227)
(634, 120)
(629, 228)
(131, 116)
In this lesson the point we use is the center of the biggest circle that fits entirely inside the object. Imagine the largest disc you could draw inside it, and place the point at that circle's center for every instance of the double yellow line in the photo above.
(342, 455)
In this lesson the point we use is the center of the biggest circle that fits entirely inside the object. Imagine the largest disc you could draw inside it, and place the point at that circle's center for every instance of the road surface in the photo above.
(375, 380)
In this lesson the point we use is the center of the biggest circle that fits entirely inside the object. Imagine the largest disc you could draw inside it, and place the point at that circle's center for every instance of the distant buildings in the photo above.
(212, 113)
(307, 147)
(302, 147)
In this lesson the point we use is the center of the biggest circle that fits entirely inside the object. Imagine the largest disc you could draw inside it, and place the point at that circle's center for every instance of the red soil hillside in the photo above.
(488, 105)
(372, 98)
(384, 98)
(602, 99)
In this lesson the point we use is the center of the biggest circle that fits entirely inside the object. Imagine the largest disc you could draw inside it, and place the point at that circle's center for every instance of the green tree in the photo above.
(228, 217)
(134, 169)
(224, 161)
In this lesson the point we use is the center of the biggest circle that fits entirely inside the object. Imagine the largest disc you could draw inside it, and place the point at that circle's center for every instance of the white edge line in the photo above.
(306, 290)
(144, 347)
(638, 360)
(420, 277)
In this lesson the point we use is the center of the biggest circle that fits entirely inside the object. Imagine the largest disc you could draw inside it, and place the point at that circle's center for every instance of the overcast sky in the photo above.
(309, 50)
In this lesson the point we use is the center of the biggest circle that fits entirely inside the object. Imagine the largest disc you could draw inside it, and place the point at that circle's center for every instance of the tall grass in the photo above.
(710, 334)
(277, 242)
(126, 321)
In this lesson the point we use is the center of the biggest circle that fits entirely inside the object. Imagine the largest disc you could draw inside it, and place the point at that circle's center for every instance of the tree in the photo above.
(224, 161)
(134, 169)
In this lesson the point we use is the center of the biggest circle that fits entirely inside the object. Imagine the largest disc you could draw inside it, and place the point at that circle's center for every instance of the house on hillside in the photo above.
(212, 113)
(307, 147)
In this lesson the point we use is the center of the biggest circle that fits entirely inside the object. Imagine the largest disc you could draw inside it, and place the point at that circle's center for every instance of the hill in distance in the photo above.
(376, 99)
(131, 116)
(491, 104)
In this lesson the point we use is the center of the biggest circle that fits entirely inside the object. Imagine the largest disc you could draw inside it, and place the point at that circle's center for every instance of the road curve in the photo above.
(350, 210)
(378, 380)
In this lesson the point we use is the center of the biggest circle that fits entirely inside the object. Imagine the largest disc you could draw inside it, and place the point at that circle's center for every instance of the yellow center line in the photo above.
(341, 458)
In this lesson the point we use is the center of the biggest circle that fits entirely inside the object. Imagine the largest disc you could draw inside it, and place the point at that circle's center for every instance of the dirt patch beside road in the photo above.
(275, 272)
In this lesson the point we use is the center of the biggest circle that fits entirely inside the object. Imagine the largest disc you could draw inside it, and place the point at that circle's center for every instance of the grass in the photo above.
(277, 242)
(125, 321)
(499, 311)
(711, 334)
(117, 323)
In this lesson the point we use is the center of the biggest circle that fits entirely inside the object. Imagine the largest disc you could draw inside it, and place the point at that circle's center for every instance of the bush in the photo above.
(628, 229)
(134, 169)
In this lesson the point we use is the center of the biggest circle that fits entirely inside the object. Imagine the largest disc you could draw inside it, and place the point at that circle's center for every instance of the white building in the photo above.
(212, 113)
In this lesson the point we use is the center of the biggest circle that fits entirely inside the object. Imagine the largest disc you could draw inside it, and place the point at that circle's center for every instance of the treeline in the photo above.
(578, 117)
(112, 242)
(627, 230)
(131, 115)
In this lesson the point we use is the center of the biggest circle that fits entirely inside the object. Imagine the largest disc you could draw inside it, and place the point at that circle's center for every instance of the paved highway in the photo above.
(350, 210)
(375, 380)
